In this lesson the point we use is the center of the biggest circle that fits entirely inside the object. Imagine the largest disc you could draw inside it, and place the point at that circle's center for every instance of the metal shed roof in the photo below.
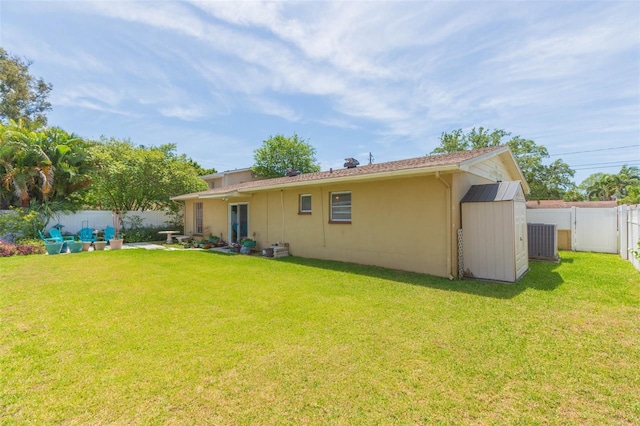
(500, 191)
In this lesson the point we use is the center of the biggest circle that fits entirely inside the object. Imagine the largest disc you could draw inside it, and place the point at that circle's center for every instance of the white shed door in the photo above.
(597, 230)
(521, 243)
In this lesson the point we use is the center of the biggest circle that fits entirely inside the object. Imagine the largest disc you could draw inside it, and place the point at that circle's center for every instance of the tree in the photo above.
(25, 169)
(69, 155)
(606, 186)
(22, 97)
(201, 170)
(574, 194)
(129, 177)
(279, 154)
(546, 181)
(42, 166)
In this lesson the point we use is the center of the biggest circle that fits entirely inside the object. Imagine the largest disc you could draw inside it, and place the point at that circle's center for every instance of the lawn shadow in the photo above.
(541, 276)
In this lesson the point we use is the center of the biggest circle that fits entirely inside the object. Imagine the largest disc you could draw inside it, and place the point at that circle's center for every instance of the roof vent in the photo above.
(351, 163)
(292, 172)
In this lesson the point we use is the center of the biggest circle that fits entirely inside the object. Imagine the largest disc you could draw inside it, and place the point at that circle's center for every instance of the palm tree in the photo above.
(68, 154)
(605, 186)
(626, 178)
(24, 166)
(42, 166)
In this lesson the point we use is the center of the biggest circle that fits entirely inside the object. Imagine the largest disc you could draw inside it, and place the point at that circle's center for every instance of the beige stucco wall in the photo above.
(231, 178)
(395, 223)
(398, 223)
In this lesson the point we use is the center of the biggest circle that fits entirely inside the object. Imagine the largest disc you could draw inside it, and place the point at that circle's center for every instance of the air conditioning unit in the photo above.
(543, 241)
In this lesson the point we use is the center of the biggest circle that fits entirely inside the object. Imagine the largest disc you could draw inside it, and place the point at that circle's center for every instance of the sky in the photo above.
(352, 78)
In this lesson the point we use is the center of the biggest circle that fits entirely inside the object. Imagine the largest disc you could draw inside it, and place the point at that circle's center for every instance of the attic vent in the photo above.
(351, 163)
(292, 172)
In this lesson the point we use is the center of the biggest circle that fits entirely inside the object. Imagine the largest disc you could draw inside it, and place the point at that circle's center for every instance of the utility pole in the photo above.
(371, 158)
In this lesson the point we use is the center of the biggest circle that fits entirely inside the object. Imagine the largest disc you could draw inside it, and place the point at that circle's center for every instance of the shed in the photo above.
(494, 232)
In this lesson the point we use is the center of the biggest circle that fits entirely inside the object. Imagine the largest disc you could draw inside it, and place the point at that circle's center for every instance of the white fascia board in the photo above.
(232, 194)
(184, 197)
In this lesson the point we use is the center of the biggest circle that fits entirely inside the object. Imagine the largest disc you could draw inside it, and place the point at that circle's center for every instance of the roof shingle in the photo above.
(426, 162)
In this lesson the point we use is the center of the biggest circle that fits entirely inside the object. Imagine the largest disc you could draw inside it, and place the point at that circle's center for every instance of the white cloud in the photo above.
(88, 92)
(274, 108)
(337, 122)
(184, 113)
(393, 74)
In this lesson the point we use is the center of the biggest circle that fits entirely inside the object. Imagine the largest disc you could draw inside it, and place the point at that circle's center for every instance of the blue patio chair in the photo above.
(45, 239)
(86, 235)
(109, 233)
(58, 237)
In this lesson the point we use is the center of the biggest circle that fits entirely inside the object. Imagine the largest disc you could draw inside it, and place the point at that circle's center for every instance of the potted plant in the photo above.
(99, 244)
(249, 243)
(53, 247)
(75, 246)
(116, 242)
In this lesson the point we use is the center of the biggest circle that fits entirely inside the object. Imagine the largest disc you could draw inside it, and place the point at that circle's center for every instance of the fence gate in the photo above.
(596, 230)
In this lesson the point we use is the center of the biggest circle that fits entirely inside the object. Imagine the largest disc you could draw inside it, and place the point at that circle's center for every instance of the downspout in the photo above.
(282, 206)
(449, 241)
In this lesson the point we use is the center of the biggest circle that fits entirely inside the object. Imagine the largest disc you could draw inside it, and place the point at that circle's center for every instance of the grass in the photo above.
(149, 337)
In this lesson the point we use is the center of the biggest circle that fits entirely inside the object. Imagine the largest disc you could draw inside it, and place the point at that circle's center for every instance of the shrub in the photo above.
(7, 250)
(23, 248)
(142, 234)
(31, 245)
(20, 222)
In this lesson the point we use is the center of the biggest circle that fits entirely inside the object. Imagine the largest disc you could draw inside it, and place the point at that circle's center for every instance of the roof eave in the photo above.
(356, 178)
(184, 197)
(230, 194)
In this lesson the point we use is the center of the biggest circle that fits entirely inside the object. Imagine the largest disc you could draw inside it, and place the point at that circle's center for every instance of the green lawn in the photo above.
(190, 337)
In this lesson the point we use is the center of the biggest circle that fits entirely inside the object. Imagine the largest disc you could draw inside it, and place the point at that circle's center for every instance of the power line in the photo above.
(620, 162)
(596, 150)
(602, 167)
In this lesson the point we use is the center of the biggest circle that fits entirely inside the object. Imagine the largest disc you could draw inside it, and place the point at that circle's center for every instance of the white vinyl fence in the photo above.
(100, 219)
(603, 230)
(630, 233)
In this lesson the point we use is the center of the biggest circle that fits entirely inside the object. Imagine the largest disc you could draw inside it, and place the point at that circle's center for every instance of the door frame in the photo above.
(230, 223)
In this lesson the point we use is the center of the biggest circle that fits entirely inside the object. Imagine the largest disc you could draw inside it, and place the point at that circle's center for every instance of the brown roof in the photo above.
(560, 204)
(412, 164)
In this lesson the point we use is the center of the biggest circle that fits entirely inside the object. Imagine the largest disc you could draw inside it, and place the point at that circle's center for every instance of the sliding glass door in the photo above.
(238, 222)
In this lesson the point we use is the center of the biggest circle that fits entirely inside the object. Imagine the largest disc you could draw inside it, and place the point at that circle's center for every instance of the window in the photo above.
(305, 204)
(341, 207)
(197, 218)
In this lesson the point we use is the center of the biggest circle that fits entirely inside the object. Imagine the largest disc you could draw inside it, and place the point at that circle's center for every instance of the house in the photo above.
(401, 214)
(230, 177)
